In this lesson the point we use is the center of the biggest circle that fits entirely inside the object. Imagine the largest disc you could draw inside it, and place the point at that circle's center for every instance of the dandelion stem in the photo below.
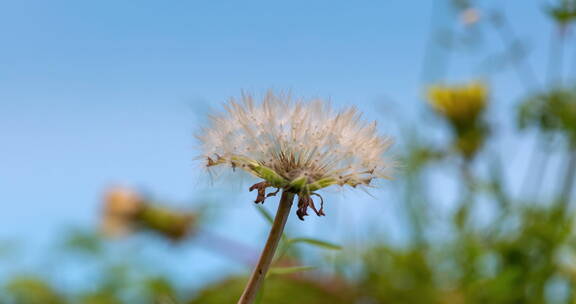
(259, 273)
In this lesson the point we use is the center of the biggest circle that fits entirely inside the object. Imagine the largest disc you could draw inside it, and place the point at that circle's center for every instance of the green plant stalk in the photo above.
(566, 190)
(259, 273)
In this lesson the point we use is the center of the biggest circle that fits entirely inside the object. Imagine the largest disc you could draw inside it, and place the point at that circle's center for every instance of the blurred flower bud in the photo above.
(470, 16)
(121, 207)
(125, 212)
(168, 223)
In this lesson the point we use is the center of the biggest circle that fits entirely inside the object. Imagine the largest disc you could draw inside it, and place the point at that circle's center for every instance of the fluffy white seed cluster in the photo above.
(294, 144)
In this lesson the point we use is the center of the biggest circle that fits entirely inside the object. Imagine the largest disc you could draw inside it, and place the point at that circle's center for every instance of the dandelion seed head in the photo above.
(296, 144)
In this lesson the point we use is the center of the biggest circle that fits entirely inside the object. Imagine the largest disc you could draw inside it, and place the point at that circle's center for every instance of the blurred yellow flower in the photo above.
(460, 104)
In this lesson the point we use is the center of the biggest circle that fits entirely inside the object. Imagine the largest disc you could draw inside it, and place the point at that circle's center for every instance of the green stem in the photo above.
(566, 191)
(259, 273)
(536, 172)
(509, 38)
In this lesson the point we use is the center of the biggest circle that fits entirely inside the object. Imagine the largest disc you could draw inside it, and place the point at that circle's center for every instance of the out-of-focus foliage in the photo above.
(552, 111)
(32, 290)
(280, 290)
(114, 280)
(562, 11)
(500, 265)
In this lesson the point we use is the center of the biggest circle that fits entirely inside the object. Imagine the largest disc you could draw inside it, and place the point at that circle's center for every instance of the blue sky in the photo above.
(107, 92)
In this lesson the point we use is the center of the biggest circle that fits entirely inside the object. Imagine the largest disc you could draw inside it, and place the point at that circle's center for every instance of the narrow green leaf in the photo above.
(270, 220)
(288, 270)
(265, 214)
(319, 243)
